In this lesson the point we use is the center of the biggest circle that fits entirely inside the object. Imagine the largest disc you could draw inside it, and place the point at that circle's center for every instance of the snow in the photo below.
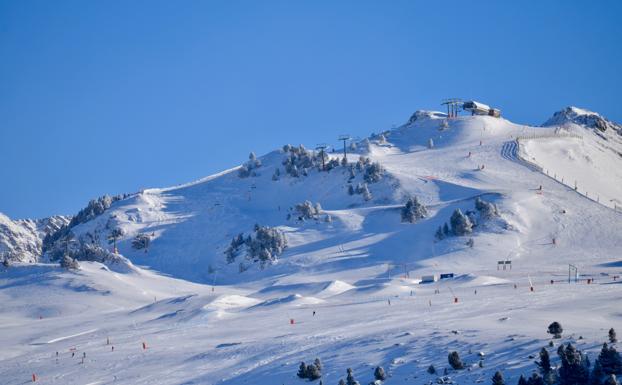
(347, 292)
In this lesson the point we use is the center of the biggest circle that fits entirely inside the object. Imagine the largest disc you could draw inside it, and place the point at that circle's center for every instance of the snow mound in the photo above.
(479, 280)
(233, 301)
(336, 287)
(295, 299)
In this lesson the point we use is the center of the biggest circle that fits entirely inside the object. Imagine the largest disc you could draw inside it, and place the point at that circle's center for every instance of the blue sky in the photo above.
(113, 96)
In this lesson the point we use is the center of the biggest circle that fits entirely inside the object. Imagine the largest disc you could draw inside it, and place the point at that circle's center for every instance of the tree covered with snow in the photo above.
(249, 167)
(574, 369)
(141, 242)
(460, 223)
(373, 172)
(307, 210)
(413, 210)
(263, 245)
(94, 208)
(234, 247)
(277, 174)
(114, 235)
(363, 190)
(298, 159)
(486, 209)
(311, 372)
(69, 263)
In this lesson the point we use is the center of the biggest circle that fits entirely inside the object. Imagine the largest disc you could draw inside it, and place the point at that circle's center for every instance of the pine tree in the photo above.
(277, 174)
(454, 360)
(573, 370)
(596, 378)
(522, 380)
(497, 379)
(555, 329)
(439, 233)
(486, 209)
(535, 379)
(431, 369)
(69, 263)
(413, 210)
(612, 336)
(545, 362)
(318, 363)
(460, 223)
(350, 380)
(379, 373)
(302, 370)
(610, 360)
(313, 372)
(446, 231)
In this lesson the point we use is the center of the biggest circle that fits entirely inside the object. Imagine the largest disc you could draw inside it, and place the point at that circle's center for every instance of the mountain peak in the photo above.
(582, 117)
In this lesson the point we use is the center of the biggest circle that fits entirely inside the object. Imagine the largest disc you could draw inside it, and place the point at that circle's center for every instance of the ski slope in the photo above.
(346, 291)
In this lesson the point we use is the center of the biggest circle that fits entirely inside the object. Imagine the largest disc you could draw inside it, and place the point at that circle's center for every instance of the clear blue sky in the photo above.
(112, 96)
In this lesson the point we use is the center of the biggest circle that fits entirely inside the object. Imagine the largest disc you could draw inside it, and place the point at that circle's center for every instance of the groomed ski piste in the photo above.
(346, 291)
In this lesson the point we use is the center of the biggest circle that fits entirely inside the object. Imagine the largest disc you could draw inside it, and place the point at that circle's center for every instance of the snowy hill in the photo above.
(342, 280)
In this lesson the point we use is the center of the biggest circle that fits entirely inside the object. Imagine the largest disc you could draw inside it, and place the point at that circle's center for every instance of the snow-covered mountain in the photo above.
(22, 240)
(582, 117)
(242, 275)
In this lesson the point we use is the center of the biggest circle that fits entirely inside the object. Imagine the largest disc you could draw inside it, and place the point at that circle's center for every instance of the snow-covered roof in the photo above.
(477, 105)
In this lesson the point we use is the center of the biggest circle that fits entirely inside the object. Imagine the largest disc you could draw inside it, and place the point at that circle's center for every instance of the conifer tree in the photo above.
(555, 329)
(454, 360)
(497, 378)
(379, 373)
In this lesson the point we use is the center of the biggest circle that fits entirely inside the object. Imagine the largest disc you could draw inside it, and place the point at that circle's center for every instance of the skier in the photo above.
(314, 313)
